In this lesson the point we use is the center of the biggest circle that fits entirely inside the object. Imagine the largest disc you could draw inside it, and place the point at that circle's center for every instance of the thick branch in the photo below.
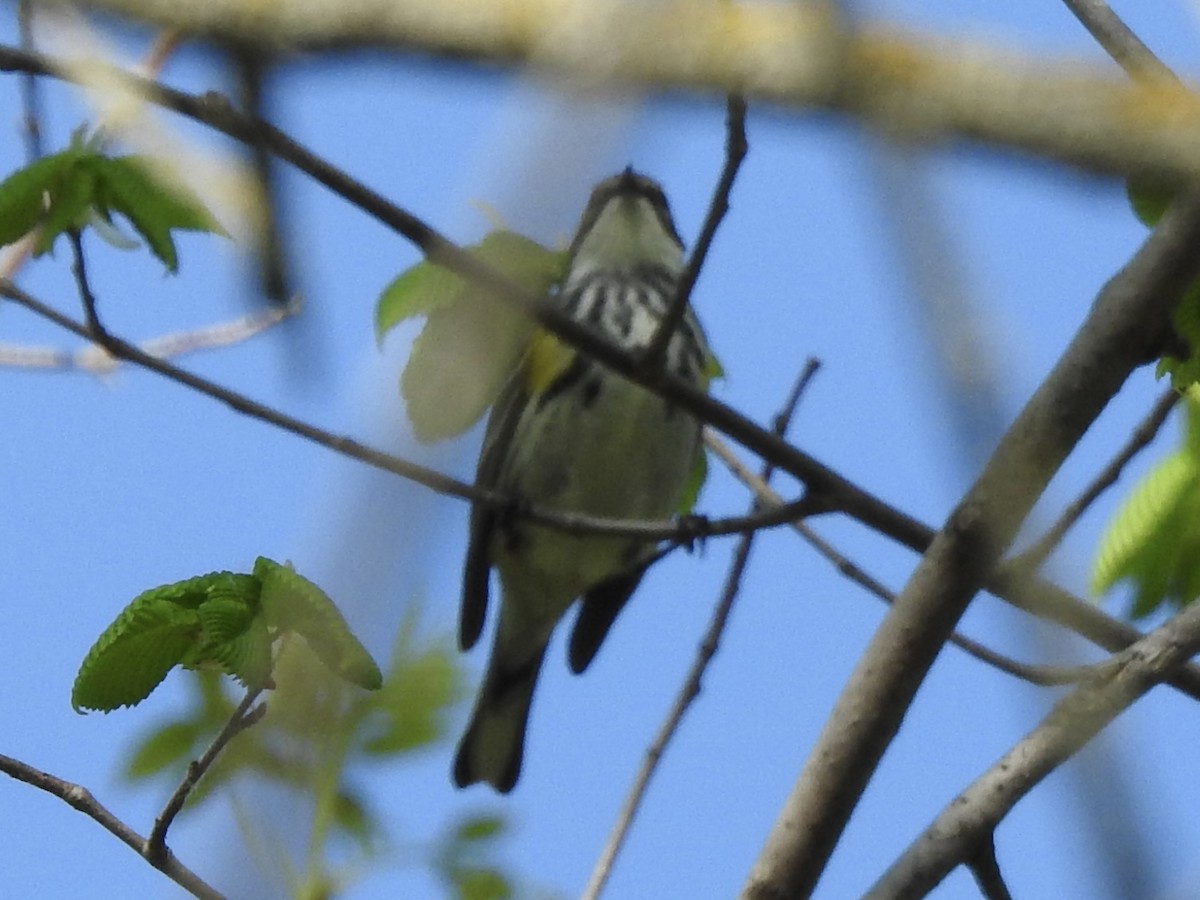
(926, 88)
(1125, 325)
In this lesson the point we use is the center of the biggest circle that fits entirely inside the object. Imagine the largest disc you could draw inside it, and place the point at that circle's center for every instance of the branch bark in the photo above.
(969, 820)
(924, 88)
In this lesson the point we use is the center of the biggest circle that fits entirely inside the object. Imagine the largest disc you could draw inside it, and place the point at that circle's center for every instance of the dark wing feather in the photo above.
(478, 566)
(597, 612)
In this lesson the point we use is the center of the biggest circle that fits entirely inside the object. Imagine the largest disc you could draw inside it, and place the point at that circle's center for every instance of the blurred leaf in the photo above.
(414, 292)
(135, 653)
(416, 697)
(23, 193)
(471, 342)
(1148, 201)
(293, 602)
(481, 884)
(1186, 321)
(480, 828)
(169, 746)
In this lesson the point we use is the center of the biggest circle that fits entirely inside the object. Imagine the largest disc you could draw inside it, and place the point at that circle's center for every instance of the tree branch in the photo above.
(1073, 722)
(925, 88)
(81, 798)
(1125, 326)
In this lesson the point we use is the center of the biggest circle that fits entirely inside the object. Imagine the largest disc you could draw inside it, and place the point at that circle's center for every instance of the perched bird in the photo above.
(571, 435)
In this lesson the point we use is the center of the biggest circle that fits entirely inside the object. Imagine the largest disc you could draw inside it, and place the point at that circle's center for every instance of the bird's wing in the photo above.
(476, 570)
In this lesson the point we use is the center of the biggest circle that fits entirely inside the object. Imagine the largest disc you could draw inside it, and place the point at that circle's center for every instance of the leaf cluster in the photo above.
(223, 620)
(80, 186)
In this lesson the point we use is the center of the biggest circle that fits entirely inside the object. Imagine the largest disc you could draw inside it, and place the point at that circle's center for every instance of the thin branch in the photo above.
(241, 719)
(1124, 327)
(31, 97)
(1119, 40)
(1042, 676)
(1145, 432)
(680, 532)
(735, 152)
(986, 869)
(691, 685)
(959, 829)
(80, 798)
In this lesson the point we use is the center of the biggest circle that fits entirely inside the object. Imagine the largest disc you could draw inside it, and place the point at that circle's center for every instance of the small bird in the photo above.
(568, 434)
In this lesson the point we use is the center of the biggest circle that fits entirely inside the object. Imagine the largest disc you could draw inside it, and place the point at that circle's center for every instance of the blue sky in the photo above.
(114, 486)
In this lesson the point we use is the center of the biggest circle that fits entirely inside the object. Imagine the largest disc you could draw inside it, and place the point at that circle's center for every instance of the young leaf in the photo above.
(68, 190)
(292, 602)
(470, 343)
(170, 745)
(184, 623)
(135, 653)
(24, 193)
(128, 186)
(414, 292)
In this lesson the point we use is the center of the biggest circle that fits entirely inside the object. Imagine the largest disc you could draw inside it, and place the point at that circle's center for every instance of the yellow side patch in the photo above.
(548, 357)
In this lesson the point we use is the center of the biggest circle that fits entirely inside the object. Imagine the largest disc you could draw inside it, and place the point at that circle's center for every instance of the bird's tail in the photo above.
(494, 742)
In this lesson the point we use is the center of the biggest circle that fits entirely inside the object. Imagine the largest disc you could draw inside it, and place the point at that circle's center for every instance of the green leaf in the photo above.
(184, 623)
(236, 636)
(70, 202)
(23, 193)
(420, 689)
(294, 603)
(135, 653)
(479, 828)
(414, 292)
(1149, 201)
(167, 747)
(1152, 539)
(1185, 319)
(128, 186)
(481, 884)
(471, 343)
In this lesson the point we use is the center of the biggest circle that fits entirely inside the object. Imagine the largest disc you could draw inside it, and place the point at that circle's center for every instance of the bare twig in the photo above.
(80, 798)
(1075, 720)
(986, 869)
(241, 719)
(735, 152)
(1145, 432)
(691, 684)
(1118, 39)
(570, 522)
(1042, 676)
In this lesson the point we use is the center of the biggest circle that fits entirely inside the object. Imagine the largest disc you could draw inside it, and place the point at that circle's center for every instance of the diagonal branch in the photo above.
(80, 798)
(1076, 719)
(735, 152)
